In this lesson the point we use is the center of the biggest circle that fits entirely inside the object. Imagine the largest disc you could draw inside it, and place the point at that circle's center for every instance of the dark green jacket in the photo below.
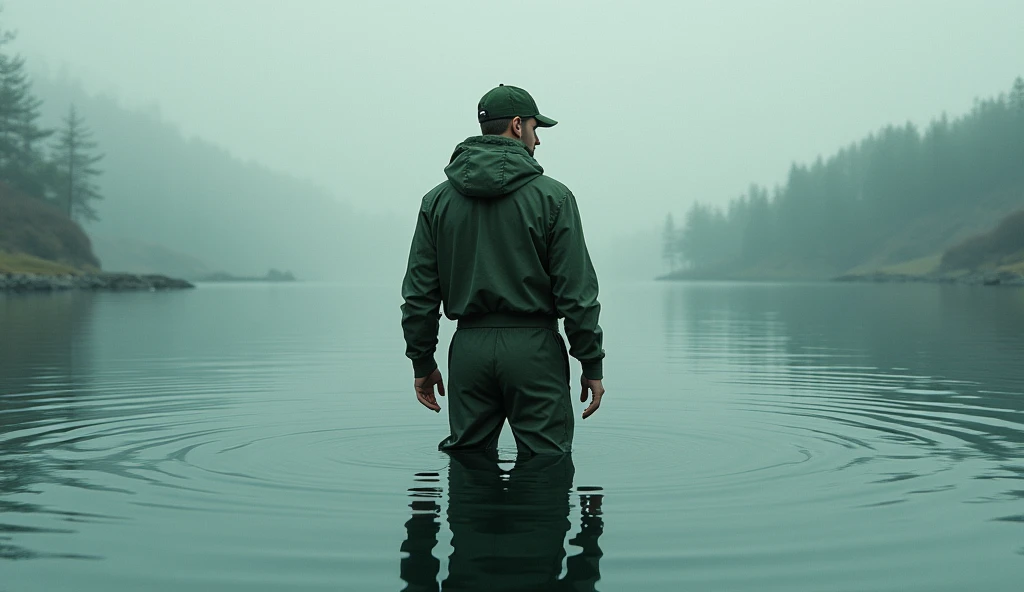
(499, 236)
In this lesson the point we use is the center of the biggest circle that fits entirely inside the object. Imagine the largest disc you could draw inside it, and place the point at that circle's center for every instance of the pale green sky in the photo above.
(660, 103)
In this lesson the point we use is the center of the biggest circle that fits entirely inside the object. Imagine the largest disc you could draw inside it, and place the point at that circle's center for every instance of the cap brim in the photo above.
(545, 121)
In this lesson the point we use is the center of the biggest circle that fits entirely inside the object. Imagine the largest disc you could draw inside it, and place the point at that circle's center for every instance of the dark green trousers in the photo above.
(499, 371)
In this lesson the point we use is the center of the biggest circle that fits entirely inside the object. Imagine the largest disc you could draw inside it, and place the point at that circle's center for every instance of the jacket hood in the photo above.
(491, 167)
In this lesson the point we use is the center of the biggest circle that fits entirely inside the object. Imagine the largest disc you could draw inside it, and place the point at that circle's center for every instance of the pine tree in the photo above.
(22, 163)
(11, 98)
(1017, 94)
(74, 159)
(31, 172)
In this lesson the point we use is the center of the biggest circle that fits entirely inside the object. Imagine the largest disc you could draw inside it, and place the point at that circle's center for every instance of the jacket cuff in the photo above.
(593, 370)
(423, 366)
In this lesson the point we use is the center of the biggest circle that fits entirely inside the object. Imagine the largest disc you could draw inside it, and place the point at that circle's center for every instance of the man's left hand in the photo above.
(425, 390)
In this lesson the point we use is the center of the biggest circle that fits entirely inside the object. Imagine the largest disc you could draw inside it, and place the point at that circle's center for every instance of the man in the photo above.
(501, 246)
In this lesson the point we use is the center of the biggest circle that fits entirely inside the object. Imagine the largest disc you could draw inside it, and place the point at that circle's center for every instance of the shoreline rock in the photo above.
(110, 282)
(272, 276)
(974, 278)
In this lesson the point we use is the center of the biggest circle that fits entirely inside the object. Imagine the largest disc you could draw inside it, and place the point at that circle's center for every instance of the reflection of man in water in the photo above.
(508, 528)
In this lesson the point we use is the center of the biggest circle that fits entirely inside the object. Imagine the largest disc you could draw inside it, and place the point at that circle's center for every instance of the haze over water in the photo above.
(660, 103)
(754, 437)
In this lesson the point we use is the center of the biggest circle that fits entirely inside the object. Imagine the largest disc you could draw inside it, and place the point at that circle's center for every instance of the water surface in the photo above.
(754, 437)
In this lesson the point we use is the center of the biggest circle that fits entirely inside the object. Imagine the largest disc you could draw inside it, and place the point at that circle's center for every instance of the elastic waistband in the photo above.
(501, 320)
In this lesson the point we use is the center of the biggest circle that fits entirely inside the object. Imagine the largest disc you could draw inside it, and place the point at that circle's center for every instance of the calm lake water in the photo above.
(754, 437)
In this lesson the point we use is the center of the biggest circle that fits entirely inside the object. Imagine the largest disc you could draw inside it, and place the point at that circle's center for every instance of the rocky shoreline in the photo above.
(115, 282)
(974, 278)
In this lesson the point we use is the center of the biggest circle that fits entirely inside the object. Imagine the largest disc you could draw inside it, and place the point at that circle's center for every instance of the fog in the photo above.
(660, 103)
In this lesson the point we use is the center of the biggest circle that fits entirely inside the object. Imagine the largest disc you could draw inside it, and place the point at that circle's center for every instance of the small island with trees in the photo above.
(47, 186)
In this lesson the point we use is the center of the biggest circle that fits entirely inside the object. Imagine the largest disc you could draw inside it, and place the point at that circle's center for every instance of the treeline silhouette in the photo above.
(895, 196)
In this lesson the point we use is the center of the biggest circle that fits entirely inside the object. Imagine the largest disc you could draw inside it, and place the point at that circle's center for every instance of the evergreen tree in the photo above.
(1017, 94)
(73, 159)
(22, 162)
(11, 98)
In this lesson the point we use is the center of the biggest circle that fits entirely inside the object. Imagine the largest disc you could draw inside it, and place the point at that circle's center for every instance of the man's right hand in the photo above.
(425, 390)
(595, 387)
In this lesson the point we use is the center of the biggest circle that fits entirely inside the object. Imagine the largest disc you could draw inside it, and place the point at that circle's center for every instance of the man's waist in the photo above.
(504, 320)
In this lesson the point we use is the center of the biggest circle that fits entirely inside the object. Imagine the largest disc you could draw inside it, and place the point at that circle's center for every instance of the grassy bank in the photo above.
(22, 263)
(994, 257)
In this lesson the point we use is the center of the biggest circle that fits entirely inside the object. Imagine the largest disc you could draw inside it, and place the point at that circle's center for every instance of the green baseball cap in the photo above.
(502, 102)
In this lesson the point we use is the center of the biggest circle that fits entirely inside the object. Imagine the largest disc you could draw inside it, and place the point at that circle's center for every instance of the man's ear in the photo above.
(517, 126)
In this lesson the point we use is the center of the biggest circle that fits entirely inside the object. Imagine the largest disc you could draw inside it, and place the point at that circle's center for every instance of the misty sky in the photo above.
(659, 103)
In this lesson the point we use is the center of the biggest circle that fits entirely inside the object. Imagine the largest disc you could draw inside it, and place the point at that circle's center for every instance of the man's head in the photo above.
(517, 128)
(511, 112)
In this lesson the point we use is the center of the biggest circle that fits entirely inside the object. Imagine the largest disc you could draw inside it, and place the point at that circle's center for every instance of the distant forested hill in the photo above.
(199, 207)
(898, 195)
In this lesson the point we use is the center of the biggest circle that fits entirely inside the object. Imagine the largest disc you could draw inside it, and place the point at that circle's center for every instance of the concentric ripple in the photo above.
(752, 438)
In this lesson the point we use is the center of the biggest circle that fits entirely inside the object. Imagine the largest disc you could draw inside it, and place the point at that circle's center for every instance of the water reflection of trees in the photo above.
(42, 363)
(508, 527)
(913, 343)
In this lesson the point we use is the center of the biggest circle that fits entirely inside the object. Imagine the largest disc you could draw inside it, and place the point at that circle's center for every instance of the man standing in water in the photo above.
(501, 246)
